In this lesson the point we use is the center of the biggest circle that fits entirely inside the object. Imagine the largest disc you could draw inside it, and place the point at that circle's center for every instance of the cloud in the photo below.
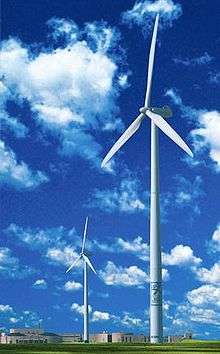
(54, 244)
(214, 244)
(65, 31)
(137, 247)
(40, 284)
(203, 59)
(41, 239)
(211, 276)
(5, 308)
(10, 266)
(187, 112)
(186, 194)
(207, 136)
(79, 308)
(25, 318)
(18, 174)
(143, 13)
(77, 97)
(214, 77)
(100, 316)
(126, 198)
(120, 276)
(180, 255)
(204, 295)
(72, 286)
(7, 121)
(187, 314)
(125, 319)
(129, 321)
(62, 256)
(126, 276)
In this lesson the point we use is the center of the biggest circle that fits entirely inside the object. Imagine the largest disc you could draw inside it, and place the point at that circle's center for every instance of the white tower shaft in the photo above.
(86, 308)
(156, 326)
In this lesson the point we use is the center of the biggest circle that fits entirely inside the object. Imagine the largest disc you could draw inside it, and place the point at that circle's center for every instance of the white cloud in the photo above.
(214, 244)
(126, 276)
(214, 77)
(207, 316)
(55, 244)
(118, 275)
(64, 256)
(40, 284)
(18, 174)
(14, 320)
(100, 316)
(204, 295)
(41, 239)
(10, 266)
(187, 314)
(137, 247)
(72, 286)
(211, 275)
(207, 136)
(6, 308)
(186, 194)
(187, 112)
(165, 274)
(180, 255)
(79, 308)
(126, 198)
(129, 321)
(143, 13)
(203, 59)
(68, 31)
(78, 95)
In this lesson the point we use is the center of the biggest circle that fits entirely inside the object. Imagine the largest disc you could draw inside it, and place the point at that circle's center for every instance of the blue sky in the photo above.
(73, 76)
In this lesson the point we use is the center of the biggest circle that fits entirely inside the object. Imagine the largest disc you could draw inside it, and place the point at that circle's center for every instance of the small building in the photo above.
(177, 338)
(120, 337)
(71, 337)
(29, 336)
(103, 337)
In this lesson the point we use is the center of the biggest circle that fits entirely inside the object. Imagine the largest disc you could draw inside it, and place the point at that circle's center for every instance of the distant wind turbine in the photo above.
(157, 116)
(86, 262)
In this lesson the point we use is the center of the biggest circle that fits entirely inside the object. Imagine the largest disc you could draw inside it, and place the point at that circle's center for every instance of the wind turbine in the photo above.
(157, 116)
(86, 262)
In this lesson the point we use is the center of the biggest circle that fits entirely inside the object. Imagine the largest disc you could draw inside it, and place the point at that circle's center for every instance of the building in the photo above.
(121, 337)
(37, 335)
(29, 336)
(103, 337)
(177, 338)
(71, 337)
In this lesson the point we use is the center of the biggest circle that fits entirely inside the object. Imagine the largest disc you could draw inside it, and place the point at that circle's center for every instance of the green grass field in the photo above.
(186, 347)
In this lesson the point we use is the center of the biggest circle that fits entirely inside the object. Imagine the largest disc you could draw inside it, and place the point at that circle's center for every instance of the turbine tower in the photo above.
(86, 262)
(157, 116)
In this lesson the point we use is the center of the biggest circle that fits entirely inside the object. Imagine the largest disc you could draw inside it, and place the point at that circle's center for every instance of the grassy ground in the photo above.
(186, 347)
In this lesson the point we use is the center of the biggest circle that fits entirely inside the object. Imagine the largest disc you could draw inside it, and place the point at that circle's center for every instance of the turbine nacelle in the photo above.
(164, 111)
(83, 256)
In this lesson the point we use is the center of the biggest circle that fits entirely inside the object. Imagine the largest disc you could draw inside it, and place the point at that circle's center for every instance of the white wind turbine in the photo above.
(86, 262)
(157, 116)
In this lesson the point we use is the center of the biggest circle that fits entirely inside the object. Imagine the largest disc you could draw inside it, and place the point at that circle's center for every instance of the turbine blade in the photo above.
(84, 234)
(169, 131)
(74, 263)
(122, 140)
(151, 62)
(89, 263)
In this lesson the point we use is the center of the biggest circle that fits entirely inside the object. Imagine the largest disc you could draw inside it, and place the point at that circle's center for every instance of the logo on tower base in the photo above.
(156, 293)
